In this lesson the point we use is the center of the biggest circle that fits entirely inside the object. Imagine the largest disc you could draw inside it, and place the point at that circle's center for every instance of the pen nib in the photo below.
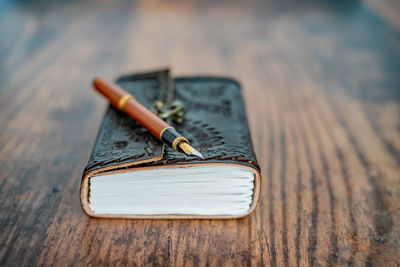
(197, 154)
(190, 151)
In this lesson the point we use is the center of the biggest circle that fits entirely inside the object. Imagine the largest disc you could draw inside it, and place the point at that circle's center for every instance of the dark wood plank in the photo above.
(321, 88)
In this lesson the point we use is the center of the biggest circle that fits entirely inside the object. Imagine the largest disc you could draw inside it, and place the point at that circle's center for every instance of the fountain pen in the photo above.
(127, 103)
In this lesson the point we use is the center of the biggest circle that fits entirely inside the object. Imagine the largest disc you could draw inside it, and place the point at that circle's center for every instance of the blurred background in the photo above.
(353, 44)
(321, 86)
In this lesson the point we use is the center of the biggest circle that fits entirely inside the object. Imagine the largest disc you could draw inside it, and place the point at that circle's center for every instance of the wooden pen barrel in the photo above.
(125, 102)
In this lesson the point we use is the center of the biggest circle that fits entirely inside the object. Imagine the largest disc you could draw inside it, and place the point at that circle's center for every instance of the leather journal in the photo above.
(131, 174)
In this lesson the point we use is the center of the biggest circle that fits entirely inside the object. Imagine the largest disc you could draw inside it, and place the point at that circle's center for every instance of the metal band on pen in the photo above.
(177, 141)
(163, 130)
(172, 138)
(123, 100)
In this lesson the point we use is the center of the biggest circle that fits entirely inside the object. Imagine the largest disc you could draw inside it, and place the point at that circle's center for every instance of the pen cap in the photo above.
(111, 91)
(125, 102)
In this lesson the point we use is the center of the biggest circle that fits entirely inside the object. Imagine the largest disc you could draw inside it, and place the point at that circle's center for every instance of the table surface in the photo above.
(322, 92)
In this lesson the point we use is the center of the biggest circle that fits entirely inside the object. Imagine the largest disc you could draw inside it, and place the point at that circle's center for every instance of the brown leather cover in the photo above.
(215, 124)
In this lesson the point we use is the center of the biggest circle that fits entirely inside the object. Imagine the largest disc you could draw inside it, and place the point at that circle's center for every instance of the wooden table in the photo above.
(322, 92)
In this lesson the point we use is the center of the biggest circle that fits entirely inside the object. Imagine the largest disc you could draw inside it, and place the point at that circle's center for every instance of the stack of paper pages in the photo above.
(200, 190)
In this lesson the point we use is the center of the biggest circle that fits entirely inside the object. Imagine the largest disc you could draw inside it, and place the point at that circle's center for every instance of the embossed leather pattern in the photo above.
(120, 139)
(215, 124)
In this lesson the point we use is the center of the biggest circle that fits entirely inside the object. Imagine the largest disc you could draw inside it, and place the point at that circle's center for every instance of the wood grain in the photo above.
(321, 88)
